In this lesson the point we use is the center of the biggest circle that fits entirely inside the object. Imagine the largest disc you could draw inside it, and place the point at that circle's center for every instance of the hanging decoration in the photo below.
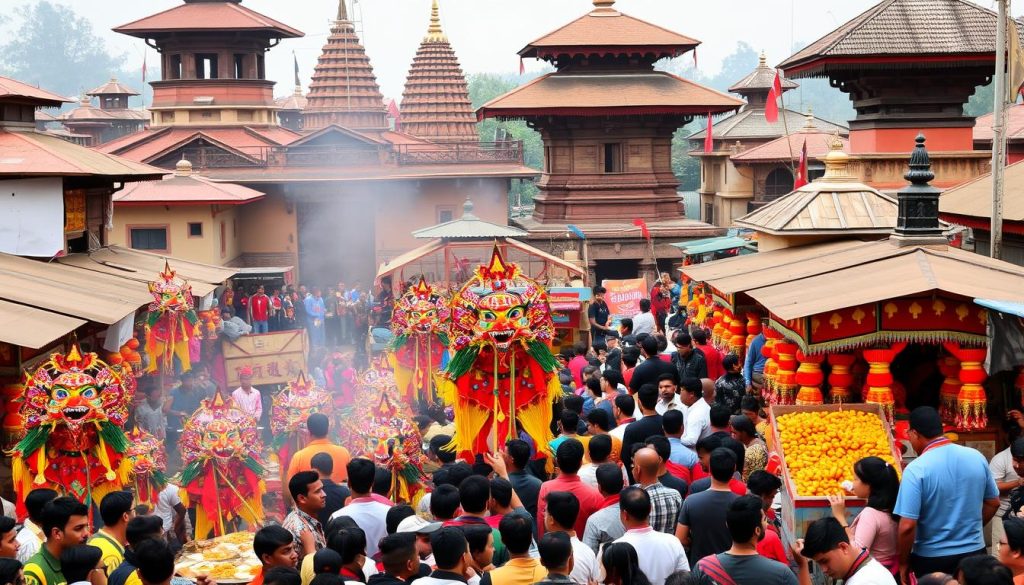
(785, 376)
(222, 475)
(148, 458)
(840, 380)
(879, 379)
(971, 401)
(502, 375)
(288, 413)
(771, 365)
(171, 322)
(75, 406)
(420, 322)
(949, 366)
(809, 378)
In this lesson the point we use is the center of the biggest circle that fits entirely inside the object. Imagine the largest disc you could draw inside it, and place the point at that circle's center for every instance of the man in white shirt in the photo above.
(247, 398)
(643, 322)
(1006, 478)
(171, 511)
(31, 537)
(367, 512)
(698, 412)
(827, 544)
(560, 516)
(623, 409)
(659, 554)
(668, 395)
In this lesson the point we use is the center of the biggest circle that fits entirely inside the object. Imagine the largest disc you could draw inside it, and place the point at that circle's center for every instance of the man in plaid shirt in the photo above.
(665, 502)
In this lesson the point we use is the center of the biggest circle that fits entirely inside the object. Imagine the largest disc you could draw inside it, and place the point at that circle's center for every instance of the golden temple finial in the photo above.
(434, 32)
(836, 162)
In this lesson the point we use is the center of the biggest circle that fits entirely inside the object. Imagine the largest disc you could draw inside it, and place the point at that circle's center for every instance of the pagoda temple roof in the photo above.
(605, 30)
(206, 15)
(296, 102)
(13, 90)
(185, 188)
(468, 227)
(86, 112)
(750, 124)
(112, 87)
(760, 80)
(788, 148)
(917, 32)
(974, 199)
(608, 93)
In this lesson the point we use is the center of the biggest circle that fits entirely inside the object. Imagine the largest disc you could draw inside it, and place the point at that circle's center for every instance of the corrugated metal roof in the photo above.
(14, 89)
(974, 198)
(143, 267)
(31, 327)
(185, 187)
(39, 154)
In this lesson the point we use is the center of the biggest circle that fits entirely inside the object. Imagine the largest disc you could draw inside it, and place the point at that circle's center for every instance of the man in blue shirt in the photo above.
(946, 496)
(753, 365)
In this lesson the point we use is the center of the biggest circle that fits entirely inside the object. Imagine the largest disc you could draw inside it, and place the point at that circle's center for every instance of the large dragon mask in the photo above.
(221, 432)
(499, 306)
(293, 405)
(148, 459)
(171, 321)
(421, 310)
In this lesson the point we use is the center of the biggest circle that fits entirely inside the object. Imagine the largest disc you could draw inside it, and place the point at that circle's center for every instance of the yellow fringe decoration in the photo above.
(101, 453)
(40, 478)
(469, 422)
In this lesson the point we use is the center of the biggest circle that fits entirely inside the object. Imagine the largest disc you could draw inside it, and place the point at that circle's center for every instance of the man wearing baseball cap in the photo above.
(422, 530)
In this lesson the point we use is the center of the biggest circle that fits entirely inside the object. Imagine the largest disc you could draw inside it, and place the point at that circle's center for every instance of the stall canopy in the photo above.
(33, 328)
(144, 266)
(710, 245)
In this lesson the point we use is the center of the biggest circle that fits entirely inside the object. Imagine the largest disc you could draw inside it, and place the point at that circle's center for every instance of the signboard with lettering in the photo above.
(623, 296)
(275, 358)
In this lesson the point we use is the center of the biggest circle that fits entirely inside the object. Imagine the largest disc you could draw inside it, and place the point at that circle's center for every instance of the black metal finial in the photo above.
(919, 201)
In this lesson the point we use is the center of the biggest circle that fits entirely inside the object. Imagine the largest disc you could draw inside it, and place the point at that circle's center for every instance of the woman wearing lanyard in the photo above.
(875, 527)
(827, 544)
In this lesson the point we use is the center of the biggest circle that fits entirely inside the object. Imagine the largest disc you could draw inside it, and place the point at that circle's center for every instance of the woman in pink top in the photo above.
(875, 528)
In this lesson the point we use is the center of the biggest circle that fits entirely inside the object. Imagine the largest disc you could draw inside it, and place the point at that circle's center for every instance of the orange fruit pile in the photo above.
(821, 447)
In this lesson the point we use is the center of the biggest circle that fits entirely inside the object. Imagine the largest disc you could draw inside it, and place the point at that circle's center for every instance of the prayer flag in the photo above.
(709, 139)
(771, 107)
(801, 173)
(643, 228)
(576, 231)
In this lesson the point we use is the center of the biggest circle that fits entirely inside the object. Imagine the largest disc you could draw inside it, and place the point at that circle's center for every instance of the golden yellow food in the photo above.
(820, 447)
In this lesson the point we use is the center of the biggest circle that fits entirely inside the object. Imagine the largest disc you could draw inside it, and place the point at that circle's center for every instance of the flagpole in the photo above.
(785, 127)
(998, 134)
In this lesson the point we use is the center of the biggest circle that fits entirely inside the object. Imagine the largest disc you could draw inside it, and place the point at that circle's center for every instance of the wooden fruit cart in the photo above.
(799, 511)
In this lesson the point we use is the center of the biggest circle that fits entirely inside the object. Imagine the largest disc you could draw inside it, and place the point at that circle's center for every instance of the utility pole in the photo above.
(999, 134)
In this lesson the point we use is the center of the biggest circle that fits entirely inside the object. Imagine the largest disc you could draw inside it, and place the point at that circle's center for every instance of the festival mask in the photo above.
(381, 428)
(421, 310)
(146, 453)
(72, 390)
(499, 306)
(219, 430)
(170, 293)
(293, 405)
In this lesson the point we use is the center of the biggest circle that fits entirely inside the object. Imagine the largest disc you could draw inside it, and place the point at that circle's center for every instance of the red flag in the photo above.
(646, 233)
(771, 107)
(801, 173)
(709, 139)
(522, 67)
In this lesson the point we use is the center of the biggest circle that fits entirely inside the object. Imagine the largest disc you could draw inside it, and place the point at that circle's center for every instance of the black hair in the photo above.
(573, 403)
(282, 576)
(270, 538)
(626, 404)
(670, 376)
(660, 445)
(709, 443)
(569, 419)
(613, 377)
(395, 515)
(1014, 528)
(692, 385)
(113, 506)
(422, 421)
(594, 386)
(555, 550)
(437, 447)
(78, 561)
(645, 305)
(762, 483)
(449, 545)
(742, 424)
(600, 447)
(326, 561)
(382, 480)
(7, 524)
(600, 290)
(719, 415)
(34, 502)
(729, 361)
(569, 456)
(609, 478)
(662, 342)
(501, 491)
(444, 502)
(636, 503)
(327, 579)
(516, 533)
(983, 570)
(649, 345)
(318, 425)
(155, 561)
(580, 348)
(349, 543)
(744, 517)
(9, 571)
(360, 475)
(626, 323)
(737, 449)
(621, 564)
(925, 421)
(722, 464)
(142, 527)
(337, 524)
(883, 480)
(476, 536)
(474, 491)
(459, 472)
(672, 422)
(630, 356)
(396, 550)
(564, 508)
(323, 463)
(681, 577)
(648, 395)
(700, 336)
(519, 452)
(58, 512)
(822, 536)
(599, 417)
(682, 339)
(299, 484)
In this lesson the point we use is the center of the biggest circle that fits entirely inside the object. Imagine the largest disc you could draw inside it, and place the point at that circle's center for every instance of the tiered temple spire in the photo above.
(436, 104)
(344, 90)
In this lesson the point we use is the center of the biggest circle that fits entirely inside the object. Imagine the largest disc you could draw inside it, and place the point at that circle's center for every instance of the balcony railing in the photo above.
(209, 157)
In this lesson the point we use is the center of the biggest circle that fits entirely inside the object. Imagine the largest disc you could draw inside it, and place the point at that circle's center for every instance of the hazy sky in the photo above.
(487, 34)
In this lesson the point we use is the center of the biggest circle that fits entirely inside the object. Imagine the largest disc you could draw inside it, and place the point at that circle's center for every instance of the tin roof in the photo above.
(14, 90)
(185, 188)
(750, 124)
(974, 198)
(112, 87)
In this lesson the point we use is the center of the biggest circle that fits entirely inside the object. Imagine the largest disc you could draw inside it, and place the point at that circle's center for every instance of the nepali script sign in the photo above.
(623, 296)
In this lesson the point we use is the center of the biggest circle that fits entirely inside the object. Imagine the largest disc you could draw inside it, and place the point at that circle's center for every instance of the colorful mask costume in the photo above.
(222, 475)
(171, 322)
(75, 407)
(420, 322)
(291, 407)
(381, 429)
(502, 376)
(148, 459)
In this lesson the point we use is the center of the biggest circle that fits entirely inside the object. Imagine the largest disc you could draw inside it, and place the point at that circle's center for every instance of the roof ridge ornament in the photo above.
(918, 221)
(837, 162)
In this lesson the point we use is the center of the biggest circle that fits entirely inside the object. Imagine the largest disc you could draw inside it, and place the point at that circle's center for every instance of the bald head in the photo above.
(708, 387)
(646, 465)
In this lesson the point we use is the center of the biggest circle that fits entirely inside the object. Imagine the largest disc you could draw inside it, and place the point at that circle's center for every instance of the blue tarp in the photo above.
(709, 245)
(1002, 306)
